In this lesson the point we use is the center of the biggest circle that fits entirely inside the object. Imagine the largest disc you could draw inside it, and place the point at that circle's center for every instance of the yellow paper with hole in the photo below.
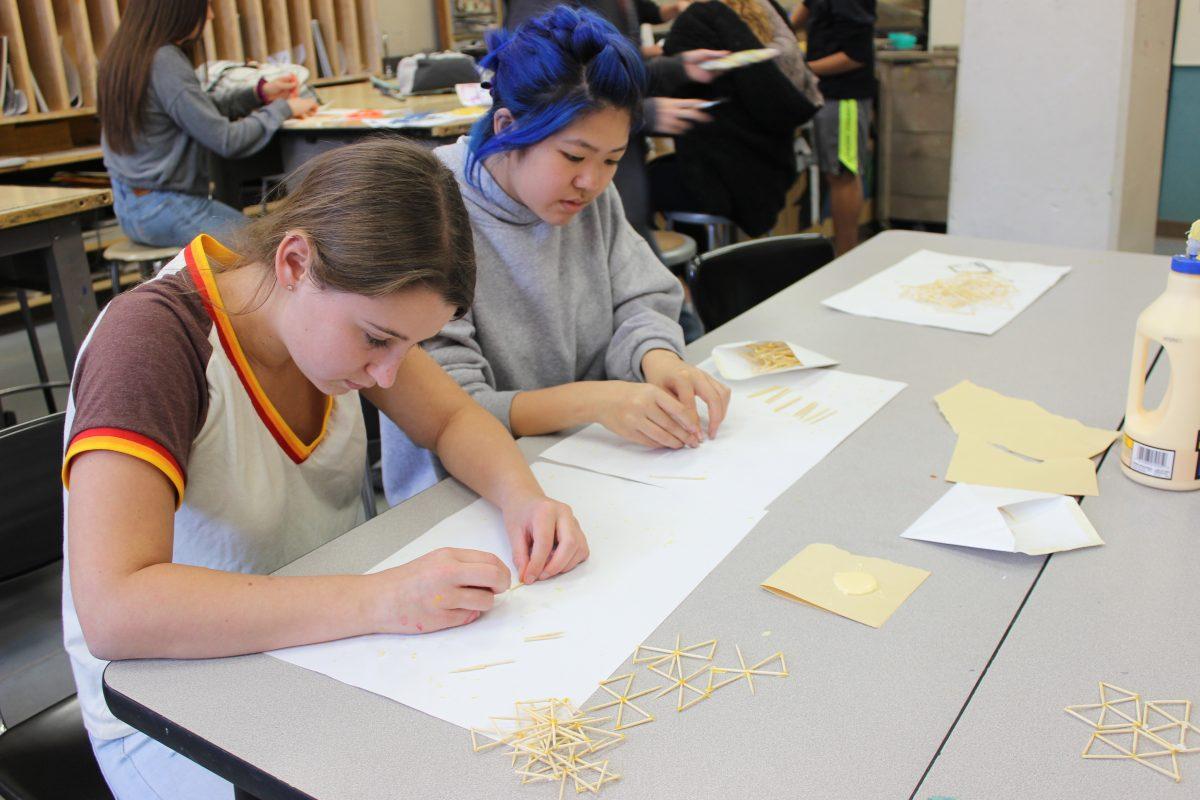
(1021, 426)
(815, 574)
(977, 461)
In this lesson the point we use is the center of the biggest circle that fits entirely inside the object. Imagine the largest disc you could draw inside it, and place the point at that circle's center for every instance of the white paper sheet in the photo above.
(883, 294)
(1008, 520)
(761, 449)
(647, 554)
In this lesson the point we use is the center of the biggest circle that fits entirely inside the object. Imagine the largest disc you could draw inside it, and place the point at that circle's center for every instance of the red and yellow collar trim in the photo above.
(198, 255)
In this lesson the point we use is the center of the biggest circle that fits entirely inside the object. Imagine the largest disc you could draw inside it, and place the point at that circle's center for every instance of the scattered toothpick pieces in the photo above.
(624, 700)
(659, 655)
(553, 741)
(761, 392)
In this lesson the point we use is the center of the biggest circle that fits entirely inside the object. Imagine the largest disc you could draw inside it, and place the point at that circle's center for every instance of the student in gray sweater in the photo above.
(574, 319)
(158, 125)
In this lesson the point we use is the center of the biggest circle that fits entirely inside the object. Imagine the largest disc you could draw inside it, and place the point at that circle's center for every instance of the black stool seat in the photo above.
(50, 756)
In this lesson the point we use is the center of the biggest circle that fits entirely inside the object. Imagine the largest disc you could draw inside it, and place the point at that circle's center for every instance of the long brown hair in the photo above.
(124, 70)
(381, 215)
(754, 14)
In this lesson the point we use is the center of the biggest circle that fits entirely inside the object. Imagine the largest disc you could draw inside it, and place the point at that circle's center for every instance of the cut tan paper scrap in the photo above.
(624, 700)
(976, 461)
(809, 577)
(1021, 426)
(745, 672)
(654, 656)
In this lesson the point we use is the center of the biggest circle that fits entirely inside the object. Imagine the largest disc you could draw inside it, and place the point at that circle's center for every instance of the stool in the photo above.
(677, 249)
(720, 230)
(149, 259)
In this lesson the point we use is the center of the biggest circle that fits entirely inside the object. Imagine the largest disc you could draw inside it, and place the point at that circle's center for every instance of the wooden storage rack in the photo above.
(41, 32)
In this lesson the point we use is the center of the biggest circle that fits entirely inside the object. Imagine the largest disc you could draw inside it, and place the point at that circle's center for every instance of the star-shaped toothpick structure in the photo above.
(684, 685)
(747, 672)
(1136, 731)
(624, 700)
(655, 656)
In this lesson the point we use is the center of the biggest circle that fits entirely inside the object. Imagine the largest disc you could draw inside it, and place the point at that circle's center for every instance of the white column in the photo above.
(1059, 121)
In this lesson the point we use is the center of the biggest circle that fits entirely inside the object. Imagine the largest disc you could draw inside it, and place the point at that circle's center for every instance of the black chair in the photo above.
(45, 752)
(727, 281)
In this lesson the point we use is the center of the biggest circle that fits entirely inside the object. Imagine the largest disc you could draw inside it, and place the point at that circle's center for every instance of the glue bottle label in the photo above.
(1150, 460)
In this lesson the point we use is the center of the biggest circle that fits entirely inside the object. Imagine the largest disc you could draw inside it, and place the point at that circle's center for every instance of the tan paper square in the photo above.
(976, 461)
(813, 575)
(1021, 426)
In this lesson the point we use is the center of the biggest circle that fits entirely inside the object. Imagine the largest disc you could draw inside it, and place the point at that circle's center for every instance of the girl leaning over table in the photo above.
(158, 125)
(215, 433)
(575, 319)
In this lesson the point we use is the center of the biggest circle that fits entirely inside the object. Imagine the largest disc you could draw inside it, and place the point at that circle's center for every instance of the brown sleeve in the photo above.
(139, 386)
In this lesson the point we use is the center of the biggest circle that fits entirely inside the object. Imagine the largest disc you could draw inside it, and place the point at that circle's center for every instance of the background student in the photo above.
(574, 319)
(158, 125)
(215, 433)
(742, 164)
(841, 52)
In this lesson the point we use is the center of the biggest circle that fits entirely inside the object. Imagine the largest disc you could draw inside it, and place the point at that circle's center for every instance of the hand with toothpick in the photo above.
(442, 589)
(686, 384)
(545, 536)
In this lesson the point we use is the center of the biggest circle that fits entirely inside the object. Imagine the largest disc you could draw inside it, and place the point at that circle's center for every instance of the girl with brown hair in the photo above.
(158, 125)
(214, 434)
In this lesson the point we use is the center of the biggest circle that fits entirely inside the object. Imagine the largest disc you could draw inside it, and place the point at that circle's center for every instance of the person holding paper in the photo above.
(215, 434)
(574, 319)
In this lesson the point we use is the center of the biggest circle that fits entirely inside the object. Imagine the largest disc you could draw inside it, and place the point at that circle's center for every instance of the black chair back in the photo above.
(32, 515)
(730, 280)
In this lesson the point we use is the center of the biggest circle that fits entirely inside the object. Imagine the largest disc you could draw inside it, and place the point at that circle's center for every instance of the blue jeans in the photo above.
(172, 219)
(139, 768)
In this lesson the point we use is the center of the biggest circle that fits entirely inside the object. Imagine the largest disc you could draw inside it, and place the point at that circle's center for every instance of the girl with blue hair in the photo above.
(574, 319)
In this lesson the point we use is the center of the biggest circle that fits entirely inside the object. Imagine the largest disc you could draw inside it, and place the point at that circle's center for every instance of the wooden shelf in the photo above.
(59, 158)
(42, 33)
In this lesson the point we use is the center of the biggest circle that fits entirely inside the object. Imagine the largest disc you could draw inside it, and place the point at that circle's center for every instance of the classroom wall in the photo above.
(945, 23)
(1059, 124)
(411, 25)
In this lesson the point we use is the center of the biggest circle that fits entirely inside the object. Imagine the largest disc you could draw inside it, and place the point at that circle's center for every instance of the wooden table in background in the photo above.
(301, 139)
(41, 248)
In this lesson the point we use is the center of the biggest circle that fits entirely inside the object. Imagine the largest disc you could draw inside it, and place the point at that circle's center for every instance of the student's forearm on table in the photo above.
(178, 611)
(475, 448)
(554, 409)
(834, 64)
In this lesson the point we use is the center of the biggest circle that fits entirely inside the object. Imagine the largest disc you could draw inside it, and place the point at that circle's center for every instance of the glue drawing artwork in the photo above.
(941, 290)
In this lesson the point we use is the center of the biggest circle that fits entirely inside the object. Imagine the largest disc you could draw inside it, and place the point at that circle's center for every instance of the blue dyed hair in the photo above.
(552, 69)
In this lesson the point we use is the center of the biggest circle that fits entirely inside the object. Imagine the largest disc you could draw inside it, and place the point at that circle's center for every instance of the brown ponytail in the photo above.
(382, 215)
(124, 70)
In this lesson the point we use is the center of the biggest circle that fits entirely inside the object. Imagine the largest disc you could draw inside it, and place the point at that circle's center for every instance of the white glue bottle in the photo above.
(1161, 446)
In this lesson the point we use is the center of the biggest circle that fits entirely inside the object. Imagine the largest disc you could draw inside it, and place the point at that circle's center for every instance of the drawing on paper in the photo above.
(971, 284)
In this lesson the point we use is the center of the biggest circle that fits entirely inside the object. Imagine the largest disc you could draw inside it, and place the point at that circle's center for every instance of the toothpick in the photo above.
(483, 666)
(542, 637)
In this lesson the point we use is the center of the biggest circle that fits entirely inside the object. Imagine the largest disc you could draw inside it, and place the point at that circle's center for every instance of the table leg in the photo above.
(70, 287)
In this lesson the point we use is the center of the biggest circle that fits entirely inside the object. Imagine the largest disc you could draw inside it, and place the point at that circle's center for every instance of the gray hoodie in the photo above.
(553, 305)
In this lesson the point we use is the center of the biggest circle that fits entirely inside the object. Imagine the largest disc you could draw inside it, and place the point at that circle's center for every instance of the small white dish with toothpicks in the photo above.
(738, 361)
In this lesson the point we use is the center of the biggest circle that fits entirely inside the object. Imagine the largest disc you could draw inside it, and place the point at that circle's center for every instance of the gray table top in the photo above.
(864, 711)
(1120, 614)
